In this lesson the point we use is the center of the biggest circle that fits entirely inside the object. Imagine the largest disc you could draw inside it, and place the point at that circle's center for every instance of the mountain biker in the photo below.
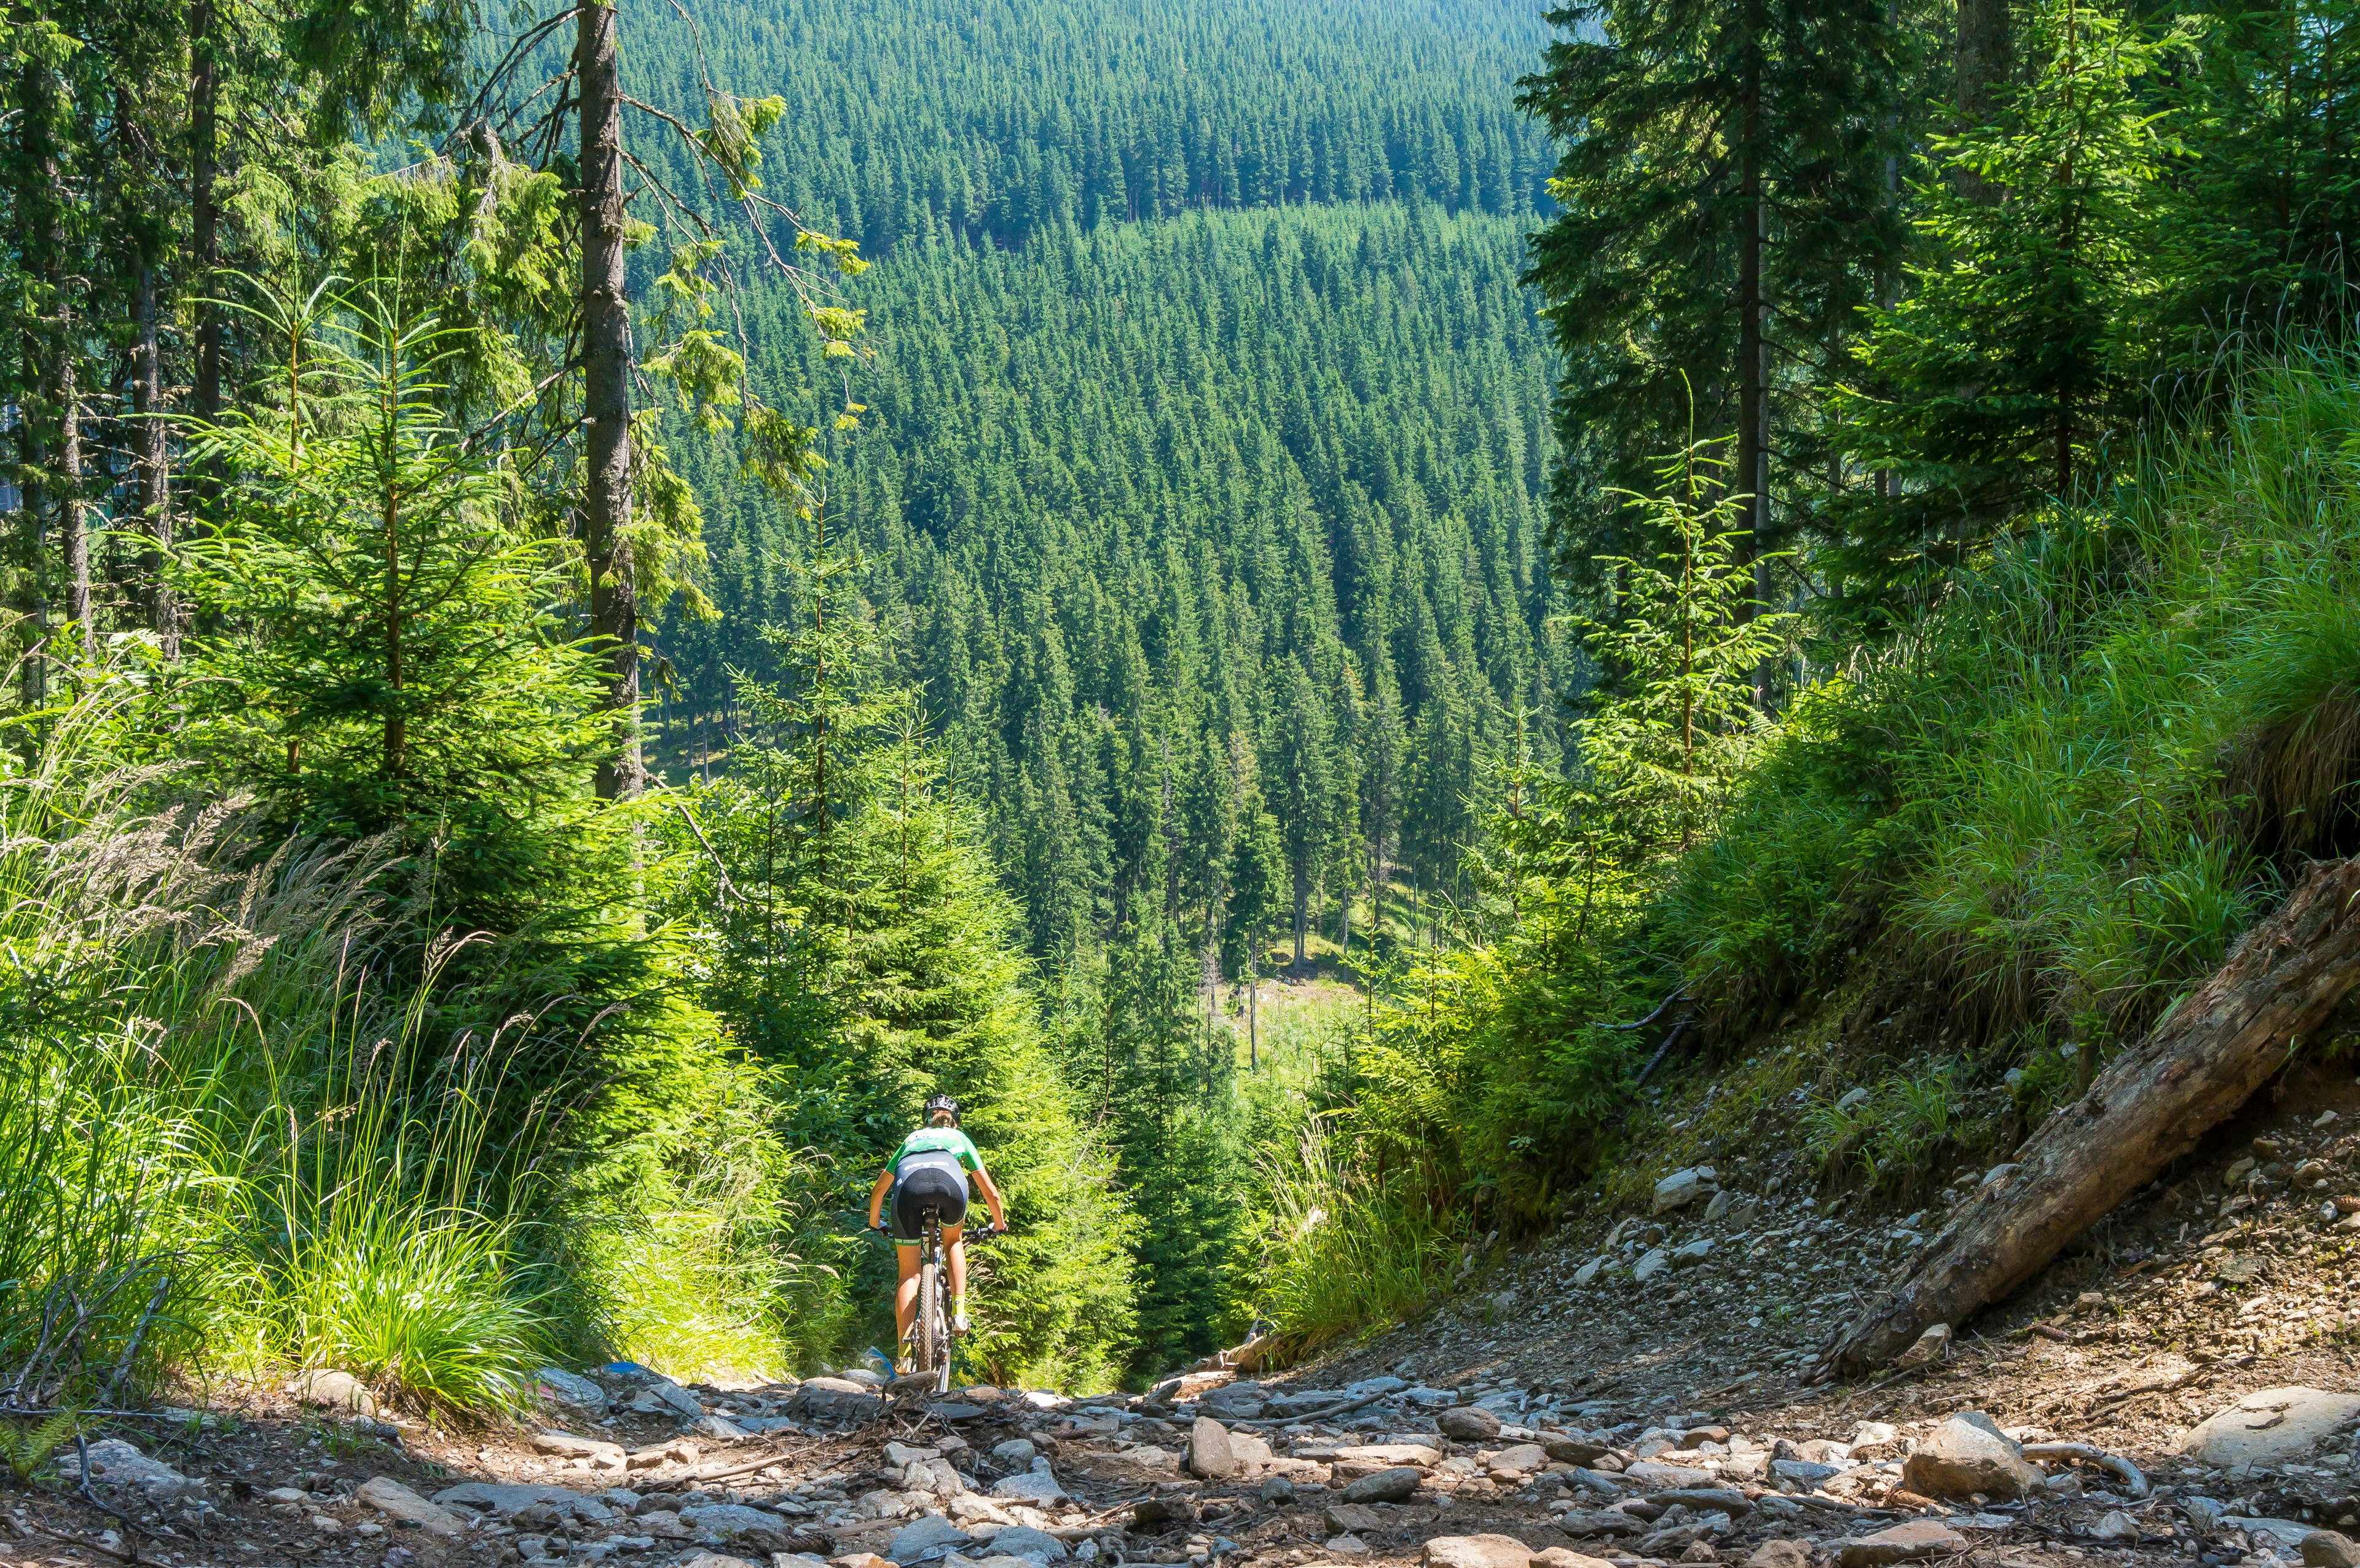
(930, 1171)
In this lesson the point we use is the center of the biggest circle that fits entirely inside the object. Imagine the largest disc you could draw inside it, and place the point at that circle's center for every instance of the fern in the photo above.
(25, 1448)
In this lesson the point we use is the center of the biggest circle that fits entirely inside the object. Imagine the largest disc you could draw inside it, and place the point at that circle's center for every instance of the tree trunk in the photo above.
(151, 444)
(1753, 474)
(1984, 63)
(1302, 913)
(2222, 1042)
(71, 535)
(204, 211)
(606, 395)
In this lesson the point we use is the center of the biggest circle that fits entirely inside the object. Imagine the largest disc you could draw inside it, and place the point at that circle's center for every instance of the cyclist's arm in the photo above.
(876, 1197)
(991, 1196)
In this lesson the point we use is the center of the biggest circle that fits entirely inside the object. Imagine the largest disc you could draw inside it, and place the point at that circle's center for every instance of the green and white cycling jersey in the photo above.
(946, 1149)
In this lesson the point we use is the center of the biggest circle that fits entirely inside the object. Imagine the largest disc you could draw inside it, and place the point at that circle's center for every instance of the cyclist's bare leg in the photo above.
(955, 1248)
(905, 1293)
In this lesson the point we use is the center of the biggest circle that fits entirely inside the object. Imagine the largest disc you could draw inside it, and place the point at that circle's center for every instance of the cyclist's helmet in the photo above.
(943, 1103)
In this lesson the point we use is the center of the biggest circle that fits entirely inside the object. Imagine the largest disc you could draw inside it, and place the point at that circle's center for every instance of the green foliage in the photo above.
(2069, 790)
(2018, 353)
(1100, 591)
(852, 935)
(1693, 135)
(25, 1445)
(1023, 117)
(1339, 1255)
(1670, 731)
(387, 627)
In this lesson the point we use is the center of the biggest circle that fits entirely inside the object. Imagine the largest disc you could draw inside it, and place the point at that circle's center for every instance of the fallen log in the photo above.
(2222, 1042)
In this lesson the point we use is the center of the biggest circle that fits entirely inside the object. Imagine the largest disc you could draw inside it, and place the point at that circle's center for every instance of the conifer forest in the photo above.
(1346, 619)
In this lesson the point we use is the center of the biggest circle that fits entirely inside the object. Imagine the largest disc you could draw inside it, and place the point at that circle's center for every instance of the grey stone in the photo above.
(1851, 1098)
(565, 1390)
(927, 1538)
(734, 1524)
(1397, 1484)
(1475, 1552)
(1718, 1208)
(1015, 1451)
(1803, 1472)
(1966, 1454)
(1209, 1455)
(1928, 1347)
(327, 1388)
(900, 1456)
(115, 1462)
(1278, 1491)
(1023, 1541)
(1032, 1486)
(396, 1501)
(716, 1560)
(1387, 1384)
(1653, 1263)
(1570, 1449)
(717, 1429)
(1705, 1500)
(2271, 1427)
(836, 1398)
(1691, 1255)
(1915, 1541)
(622, 1499)
(1684, 1187)
(1781, 1555)
(2272, 1531)
(565, 1445)
(1591, 1270)
(1468, 1424)
(675, 1399)
(1520, 1460)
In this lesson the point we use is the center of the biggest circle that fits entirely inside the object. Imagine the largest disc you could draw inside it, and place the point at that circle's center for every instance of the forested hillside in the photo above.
(1224, 533)
(1000, 120)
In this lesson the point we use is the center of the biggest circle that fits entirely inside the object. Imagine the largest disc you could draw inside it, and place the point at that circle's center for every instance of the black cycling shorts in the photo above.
(926, 1187)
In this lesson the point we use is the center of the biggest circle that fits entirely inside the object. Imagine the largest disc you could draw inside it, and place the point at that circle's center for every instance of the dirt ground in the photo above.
(1531, 1408)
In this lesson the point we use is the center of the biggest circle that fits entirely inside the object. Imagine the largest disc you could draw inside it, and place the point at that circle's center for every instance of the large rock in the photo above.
(1236, 1401)
(1353, 1519)
(1520, 1460)
(1030, 1487)
(927, 1538)
(1568, 1450)
(1781, 1555)
(1682, 1188)
(1209, 1455)
(1918, 1541)
(2328, 1549)
(569, 1391)
(565, 1445)
(1475, 1552)
(396, 1501)
(1565, 1557)
(1706, 1499)
(1666, 1478)
(2271, 1427)
(836, 1400)
(115, 1463)
(1022, 1540)
(1966, 1454)
(328, 1389)
(1468, 1424)
(1397, 1484)
(734, 1524)
(1653, 1263)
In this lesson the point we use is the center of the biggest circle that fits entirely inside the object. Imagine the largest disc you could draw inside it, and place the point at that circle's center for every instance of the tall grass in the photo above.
(232, 1139)
(2070, 790)
(1342, 1253)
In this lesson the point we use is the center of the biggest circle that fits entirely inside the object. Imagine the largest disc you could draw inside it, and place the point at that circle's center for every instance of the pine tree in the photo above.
(2019, 353)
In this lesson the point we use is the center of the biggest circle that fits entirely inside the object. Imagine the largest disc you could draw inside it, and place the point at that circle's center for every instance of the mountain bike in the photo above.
(933, 1342)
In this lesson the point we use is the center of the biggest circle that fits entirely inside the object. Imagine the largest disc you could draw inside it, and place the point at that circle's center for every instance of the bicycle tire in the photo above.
(929, 1354)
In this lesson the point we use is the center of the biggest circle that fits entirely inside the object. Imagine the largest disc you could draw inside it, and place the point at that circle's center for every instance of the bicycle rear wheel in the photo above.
(930, 1349)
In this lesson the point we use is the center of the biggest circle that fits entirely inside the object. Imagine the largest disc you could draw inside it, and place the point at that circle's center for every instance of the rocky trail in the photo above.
(1630, 1392)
